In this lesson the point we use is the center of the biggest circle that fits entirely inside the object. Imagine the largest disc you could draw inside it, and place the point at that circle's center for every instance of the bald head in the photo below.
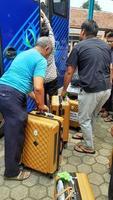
(45, 45)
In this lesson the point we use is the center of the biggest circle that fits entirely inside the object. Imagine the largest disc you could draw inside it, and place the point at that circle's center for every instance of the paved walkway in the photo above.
(40, 187)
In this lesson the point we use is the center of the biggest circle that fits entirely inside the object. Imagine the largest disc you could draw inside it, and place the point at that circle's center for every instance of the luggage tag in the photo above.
(35, 133)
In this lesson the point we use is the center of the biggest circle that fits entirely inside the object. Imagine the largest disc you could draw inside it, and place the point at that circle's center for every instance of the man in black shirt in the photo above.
(92, 56)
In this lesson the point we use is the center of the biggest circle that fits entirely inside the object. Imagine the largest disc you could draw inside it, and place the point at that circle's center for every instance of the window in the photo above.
(60, 7)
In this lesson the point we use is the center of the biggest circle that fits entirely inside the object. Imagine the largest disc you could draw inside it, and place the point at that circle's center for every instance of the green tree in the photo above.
(86, 5)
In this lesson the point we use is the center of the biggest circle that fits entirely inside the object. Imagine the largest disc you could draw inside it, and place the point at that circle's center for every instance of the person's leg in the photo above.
(13, 108)
(14, 140)
(101, 98)
(51, 88)
(45, 93)
(110, 116)
(108, 107)
(87, 104)
(112, 101)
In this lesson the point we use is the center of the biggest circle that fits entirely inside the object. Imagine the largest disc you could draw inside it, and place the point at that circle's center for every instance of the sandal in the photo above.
(109, 119)
(21, 176)
(82, 149)
(78, 136)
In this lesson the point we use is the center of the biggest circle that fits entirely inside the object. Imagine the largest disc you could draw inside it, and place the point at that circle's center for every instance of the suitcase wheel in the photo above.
(51, 176)
(65, 145)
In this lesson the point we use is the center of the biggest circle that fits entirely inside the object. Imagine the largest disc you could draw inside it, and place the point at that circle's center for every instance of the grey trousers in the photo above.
(90, 105)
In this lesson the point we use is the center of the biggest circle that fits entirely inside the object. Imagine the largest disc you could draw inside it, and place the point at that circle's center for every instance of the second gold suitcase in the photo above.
(43, 143)
(62, 108)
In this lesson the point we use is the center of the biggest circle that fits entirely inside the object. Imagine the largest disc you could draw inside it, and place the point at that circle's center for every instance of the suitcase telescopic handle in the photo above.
(42, 114)
(60, 99)
(45, 114)
(61, 110)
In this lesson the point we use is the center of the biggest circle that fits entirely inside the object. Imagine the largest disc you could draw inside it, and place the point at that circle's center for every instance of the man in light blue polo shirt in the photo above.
(25, 74)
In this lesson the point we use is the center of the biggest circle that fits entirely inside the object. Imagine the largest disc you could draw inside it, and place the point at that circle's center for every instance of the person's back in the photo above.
(23, 68)
(94, 57)
(26, 72)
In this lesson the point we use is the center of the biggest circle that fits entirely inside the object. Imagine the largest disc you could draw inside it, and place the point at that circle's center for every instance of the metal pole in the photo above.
(91, 9)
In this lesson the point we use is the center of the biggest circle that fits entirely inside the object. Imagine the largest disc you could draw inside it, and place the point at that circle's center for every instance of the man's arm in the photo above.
(47, 23)
(32, 95)
(39, 92)
(72, 63)
(67, 78)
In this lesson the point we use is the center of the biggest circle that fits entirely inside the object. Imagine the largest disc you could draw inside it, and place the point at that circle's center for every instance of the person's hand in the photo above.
(42, 14)
(63, 93)
(43, 108)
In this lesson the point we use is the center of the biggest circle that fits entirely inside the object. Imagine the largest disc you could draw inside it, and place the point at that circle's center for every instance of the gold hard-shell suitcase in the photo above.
(43, 142)
(62, 108)
(74, 114)
(81, 190)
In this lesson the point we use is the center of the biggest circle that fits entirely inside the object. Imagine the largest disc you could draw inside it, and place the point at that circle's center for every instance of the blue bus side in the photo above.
(19, 24)
(20, 28)
(60, 27)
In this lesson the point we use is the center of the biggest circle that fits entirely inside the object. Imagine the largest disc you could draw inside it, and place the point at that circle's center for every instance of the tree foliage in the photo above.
(86, 5)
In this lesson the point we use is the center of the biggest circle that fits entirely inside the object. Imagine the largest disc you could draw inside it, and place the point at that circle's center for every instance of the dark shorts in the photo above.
(51, 88)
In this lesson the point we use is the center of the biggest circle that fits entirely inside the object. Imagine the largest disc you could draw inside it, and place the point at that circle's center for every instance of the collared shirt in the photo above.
(51, 72)
(92, 57)
(25, 66)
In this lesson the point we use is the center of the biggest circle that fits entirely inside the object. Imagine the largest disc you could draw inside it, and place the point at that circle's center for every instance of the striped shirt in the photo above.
(51, 72)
